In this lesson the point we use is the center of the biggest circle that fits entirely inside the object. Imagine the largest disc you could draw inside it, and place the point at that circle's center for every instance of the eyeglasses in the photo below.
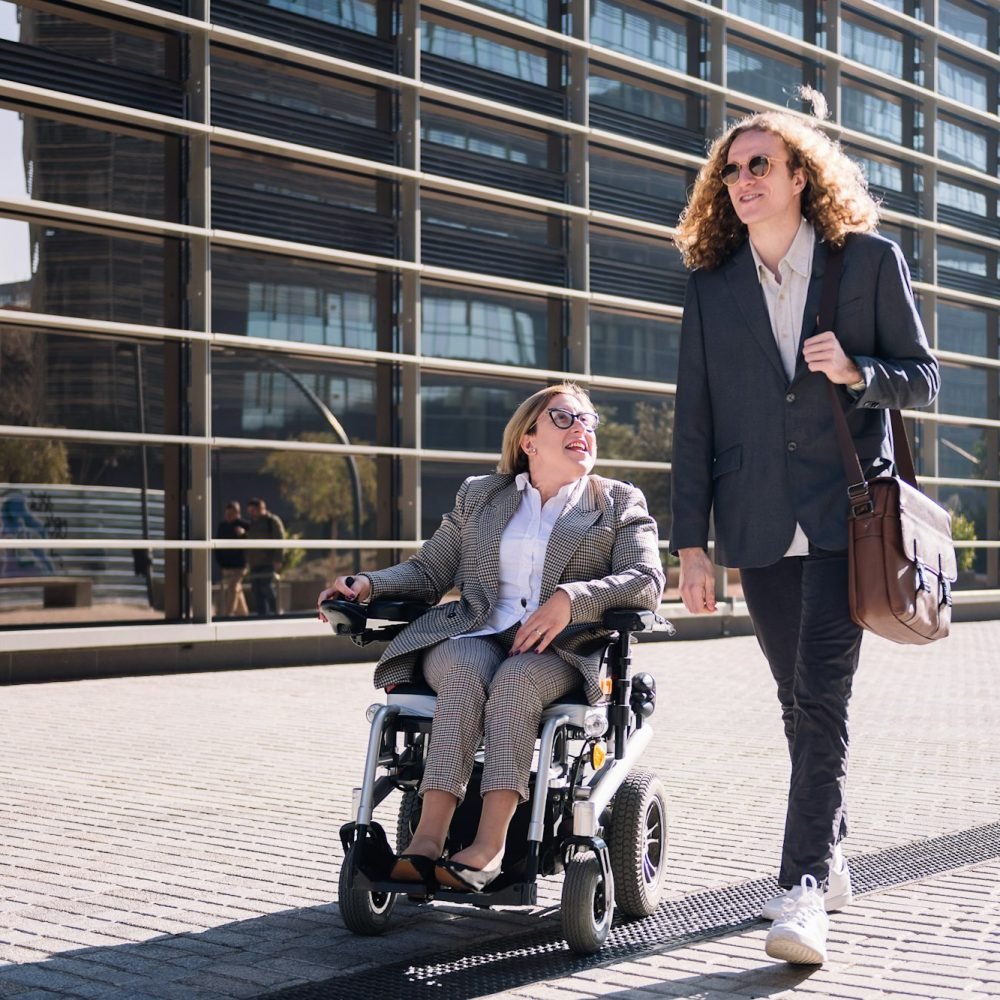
(757, 166)
(563, 419)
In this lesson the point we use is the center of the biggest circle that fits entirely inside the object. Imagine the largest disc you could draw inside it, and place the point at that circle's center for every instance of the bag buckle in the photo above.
(922, 583)
(860, 499)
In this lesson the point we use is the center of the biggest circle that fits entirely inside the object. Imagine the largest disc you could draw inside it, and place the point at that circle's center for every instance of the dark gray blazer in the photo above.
(758, 452)
(603, 550)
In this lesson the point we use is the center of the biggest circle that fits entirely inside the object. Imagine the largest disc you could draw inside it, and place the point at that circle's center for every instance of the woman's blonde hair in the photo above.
(835, 198)
(512, 457)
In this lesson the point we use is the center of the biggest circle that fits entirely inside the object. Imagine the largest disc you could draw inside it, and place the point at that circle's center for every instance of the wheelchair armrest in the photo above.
(635, 620)
(351, 618)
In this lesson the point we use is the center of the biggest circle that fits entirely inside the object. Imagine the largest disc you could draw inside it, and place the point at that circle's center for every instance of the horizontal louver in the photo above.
(466, 166)
(949, 277)
(446, 246)
(967, 220)
(636, 281)
(641, 127)
(634, 205)
(100, 81)
(321, 132)
(282, 217)
(259, 18)
(494, 86)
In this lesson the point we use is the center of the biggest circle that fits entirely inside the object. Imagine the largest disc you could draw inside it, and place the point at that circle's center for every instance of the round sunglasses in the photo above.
(757, 166)
(563, 419)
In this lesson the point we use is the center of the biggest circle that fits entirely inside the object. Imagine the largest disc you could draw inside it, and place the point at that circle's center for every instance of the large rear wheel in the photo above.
(364, 912)
(407, 819)
(588, 905)
(637, 843)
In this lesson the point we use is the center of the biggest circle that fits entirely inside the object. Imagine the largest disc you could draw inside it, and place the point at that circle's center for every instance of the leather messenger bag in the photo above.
(901, 558)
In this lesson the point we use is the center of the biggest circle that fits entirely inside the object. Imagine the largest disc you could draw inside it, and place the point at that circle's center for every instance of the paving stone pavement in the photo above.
(176, 836)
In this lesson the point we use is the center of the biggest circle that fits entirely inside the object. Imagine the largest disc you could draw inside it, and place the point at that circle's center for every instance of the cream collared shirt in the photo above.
(522, 553)
(785, 296)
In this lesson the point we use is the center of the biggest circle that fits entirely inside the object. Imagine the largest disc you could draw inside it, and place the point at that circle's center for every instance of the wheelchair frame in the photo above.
(566, 827)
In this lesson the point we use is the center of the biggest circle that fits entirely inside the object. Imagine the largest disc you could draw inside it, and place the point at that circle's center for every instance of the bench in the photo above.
(57, 591)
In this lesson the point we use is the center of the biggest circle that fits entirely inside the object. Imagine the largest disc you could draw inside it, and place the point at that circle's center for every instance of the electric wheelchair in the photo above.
(592, 814)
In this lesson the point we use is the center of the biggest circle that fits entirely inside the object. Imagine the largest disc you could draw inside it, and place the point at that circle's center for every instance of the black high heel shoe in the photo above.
(413, 868)
(462, 877)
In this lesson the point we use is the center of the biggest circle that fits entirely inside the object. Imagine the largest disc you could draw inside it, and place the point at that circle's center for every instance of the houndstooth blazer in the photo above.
(603, 550)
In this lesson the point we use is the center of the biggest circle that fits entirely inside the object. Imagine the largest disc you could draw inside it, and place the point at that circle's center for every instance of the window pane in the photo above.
(484, 53)
(481, 326)
(962, 144)
(86, 273)
(640, 33)
(294, 399)
(292, 201)
(960, 197)
(877, 48)
(53, 379)
(634, 346)
(968, 21)
(76, 164)
(636, 187)
(782, 15)
(753, 70)
(535, 11)
(964, 84)
(636, 267)
(272, 99)
(281, 298)
(961, 329)
(873, 114)
(439, 483)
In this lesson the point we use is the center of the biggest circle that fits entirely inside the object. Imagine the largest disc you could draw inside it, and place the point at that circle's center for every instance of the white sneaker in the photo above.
(799, 934)
(836, 896)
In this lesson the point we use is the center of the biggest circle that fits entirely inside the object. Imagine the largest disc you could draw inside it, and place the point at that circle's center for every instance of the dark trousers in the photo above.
(264, 587)
(800, 614)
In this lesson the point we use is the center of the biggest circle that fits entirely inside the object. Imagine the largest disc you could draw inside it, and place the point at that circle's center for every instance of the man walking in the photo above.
(755, 449)
(232, 562)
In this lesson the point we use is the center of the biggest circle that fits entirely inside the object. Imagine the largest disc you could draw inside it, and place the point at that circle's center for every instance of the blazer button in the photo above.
(790, 397)
(792, 446)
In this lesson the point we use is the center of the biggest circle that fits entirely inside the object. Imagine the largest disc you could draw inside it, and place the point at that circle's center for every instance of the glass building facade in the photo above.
(315, 251)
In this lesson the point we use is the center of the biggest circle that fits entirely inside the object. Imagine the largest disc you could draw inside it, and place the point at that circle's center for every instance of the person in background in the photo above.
(264, 564)
(755, 449)
(538, 552)
(232, 562)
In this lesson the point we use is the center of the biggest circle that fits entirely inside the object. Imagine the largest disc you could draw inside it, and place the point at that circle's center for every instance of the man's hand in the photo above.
(543, 625)
(823, 353)
(697, 581)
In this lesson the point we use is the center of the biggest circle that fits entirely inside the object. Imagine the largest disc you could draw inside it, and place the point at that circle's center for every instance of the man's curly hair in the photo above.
(835, 198)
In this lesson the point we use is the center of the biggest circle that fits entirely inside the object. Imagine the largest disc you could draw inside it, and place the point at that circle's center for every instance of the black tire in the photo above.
(588, 905)
(364, 912)
(637, 842)
(407, 819)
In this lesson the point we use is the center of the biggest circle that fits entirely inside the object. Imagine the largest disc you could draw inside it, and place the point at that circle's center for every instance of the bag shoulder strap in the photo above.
(857, 488)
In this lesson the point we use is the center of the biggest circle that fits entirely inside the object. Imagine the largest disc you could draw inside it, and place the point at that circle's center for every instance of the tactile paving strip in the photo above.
(522, 958)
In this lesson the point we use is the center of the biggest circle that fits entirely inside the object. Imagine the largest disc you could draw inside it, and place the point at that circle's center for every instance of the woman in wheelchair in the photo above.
(537, 553)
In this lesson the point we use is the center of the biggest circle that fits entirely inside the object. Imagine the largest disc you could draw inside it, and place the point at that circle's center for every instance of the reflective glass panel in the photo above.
(76, 164)
(659, 105)
(963, 393)
(878, 48)
(485, 326)
(535, 11)
(281, 298)
(54, 379)
(643, 32)
(293, 201)
(631, 345)
(872, 113)
(274, 99)
(755, 70)
(962, 83)
(314, 496)
(962, 144)
(439, 483)
(782, 15)
(636, 187)
(51, 268)
(358, 15)
(468, 414)
(258, 394)
(962, 329)
(964, 20)
(969, 520)
(964, 258)
(485, 53)
(963, 198)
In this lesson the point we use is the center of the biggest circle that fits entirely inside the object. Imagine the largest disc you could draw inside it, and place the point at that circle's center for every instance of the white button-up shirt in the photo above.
(785, 295)
(522, 553)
